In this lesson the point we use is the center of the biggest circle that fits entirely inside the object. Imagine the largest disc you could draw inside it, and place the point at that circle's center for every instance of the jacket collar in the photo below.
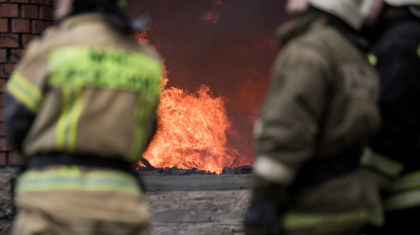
(82, 18)
(304, 23)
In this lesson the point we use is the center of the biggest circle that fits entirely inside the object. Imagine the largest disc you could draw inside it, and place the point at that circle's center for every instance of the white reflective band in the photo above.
(410, 181)
(381, 163)
(273, 170)
(403, 200)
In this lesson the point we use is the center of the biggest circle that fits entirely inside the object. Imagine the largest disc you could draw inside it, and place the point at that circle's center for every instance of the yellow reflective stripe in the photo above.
(381, 163)
(372, 59)
(67, 124)
(403, 200)
(25, 92)
(407, 182)
(297, 221)
(145, 105)
(104, 68)
(70, 178)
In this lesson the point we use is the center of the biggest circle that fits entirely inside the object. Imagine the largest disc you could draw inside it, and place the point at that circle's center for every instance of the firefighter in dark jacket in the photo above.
(80, 110)
(395, 150)
(319, 114)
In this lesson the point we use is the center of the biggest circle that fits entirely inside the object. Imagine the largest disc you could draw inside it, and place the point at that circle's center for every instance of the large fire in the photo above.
(192, 129)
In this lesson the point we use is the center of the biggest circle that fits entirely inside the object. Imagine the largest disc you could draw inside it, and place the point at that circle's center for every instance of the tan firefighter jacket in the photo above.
(87, 89)
(321, 104)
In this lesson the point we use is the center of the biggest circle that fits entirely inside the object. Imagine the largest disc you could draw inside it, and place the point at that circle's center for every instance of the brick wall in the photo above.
(20, 22)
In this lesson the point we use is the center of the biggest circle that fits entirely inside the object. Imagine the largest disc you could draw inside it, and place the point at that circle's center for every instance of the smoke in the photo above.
(232, 55)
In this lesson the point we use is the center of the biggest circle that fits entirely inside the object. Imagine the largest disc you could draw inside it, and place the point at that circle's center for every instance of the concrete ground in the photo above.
(202, 205)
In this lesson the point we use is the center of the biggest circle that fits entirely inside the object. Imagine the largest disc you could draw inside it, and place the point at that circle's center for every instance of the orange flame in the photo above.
(191, 130)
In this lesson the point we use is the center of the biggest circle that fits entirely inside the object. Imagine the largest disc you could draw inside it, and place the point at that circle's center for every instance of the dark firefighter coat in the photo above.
(395, 150)
(318, 116)
(83, 88)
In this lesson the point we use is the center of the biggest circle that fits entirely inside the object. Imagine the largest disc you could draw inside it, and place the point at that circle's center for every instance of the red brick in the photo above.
(3, 56)
(38, 26)
(45, 13)
(2, 99)
(20, 26)
(14, 159)
(2, 129)
(3, 143)
(2, 87)
(9, 10)
(8, 68)
(4, 25)
(2, 159)
(38, 1)
(29, 11)
(15, 55)
(27, 38)
(21, 1)
(9, 40)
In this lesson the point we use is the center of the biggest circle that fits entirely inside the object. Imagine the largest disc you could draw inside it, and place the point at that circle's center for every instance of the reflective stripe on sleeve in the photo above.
(71, 178)
(407, 182)
(67, 124)
(403, 200)
(273, 170)
(25, 92)
(381, 163)
(297, 221)
(145, 105)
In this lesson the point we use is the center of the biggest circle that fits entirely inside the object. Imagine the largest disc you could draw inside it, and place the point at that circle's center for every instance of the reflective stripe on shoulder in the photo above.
(273, 170)
(104, 68)
(71, 178)
(403, 200)
(381, 163)
(297, 221)
(67, 124)
(25, 92)
(407, 182)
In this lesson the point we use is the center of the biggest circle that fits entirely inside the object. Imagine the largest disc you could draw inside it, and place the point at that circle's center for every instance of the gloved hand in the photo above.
(263, 218)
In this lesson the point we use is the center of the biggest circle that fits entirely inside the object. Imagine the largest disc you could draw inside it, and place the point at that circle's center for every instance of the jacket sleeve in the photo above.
(285, 133)
(24, 95)
(398, 65)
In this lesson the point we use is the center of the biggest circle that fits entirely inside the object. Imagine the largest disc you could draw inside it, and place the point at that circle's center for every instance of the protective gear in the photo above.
(415, 10)
(353, 12)
(399, 3)
(395, 150)
(319, 113)
(262, 218)
(414, 5)
(81, 107)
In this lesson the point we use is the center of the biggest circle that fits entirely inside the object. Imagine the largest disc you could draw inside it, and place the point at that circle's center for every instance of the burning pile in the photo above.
(191, 132)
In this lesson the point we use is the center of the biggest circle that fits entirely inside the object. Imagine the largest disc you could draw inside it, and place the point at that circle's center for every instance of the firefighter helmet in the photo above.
(353, 12)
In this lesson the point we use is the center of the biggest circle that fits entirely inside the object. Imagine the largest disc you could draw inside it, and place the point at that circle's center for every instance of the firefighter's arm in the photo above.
(400, 85)
(24, 95)
(285, 133)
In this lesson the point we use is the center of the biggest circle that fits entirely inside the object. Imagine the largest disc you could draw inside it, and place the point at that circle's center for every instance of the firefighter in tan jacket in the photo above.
(318, 116)
(81, 108)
